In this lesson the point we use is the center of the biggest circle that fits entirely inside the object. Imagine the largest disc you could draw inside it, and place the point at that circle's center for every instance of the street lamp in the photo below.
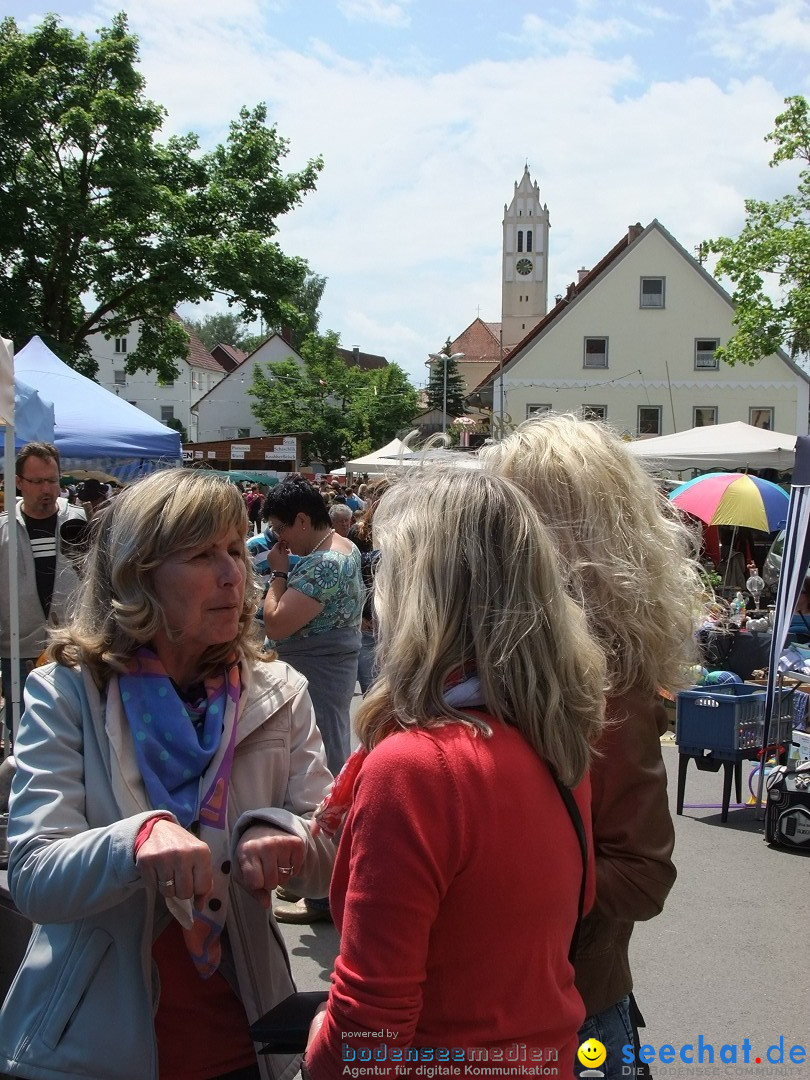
(444, 358)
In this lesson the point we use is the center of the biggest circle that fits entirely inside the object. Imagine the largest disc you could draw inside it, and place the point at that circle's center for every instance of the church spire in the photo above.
(525, 261)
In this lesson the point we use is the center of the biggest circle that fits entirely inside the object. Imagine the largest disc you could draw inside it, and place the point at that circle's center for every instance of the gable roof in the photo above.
(367, 361)
(479, 343)
(198, 355)
(635, 234)
(241, 363)
(228, 356)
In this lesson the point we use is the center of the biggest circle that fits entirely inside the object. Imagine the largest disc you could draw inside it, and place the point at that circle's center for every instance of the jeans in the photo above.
(366, 669)
(5, 672)
(614, 1028)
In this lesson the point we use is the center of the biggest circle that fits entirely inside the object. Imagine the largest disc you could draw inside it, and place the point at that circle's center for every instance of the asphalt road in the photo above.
(726, 960)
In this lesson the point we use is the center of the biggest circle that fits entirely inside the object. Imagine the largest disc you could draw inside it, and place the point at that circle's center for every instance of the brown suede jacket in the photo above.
(633, 838)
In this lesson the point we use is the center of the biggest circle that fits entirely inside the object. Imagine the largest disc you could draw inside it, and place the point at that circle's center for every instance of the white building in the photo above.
(633, 341)
(224, 412)
(164, 401)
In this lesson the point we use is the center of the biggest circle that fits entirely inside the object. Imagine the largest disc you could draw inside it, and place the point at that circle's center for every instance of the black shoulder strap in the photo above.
(576, 820)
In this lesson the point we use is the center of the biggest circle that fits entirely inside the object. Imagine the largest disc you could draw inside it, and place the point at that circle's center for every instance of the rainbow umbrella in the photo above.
(733, 499)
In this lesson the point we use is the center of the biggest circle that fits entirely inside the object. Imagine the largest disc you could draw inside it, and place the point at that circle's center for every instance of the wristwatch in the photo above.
(279, 573)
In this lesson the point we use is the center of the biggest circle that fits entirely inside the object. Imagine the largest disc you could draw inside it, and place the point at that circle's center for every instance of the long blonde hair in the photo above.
(116, 609)
(630, 557)
(469, 579)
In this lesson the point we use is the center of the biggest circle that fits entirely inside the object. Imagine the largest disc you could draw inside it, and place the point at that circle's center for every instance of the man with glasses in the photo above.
(45, 576)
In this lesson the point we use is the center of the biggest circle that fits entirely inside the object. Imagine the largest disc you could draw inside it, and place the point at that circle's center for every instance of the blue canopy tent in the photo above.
(26, 418)
(33, 416)
(94, 428)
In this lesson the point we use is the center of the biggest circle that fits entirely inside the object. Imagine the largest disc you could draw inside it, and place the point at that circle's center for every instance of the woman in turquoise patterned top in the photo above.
(312, 611)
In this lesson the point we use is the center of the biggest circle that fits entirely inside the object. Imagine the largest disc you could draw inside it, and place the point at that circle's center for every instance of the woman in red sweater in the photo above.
(480, 724)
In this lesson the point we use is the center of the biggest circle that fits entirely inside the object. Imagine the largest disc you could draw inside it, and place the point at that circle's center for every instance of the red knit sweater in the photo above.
(455, 892)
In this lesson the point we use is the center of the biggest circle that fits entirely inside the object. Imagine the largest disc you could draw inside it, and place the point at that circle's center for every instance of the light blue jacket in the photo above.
(33, 624)
(83, 1001)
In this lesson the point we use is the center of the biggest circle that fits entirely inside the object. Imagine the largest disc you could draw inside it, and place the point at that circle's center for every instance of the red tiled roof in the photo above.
(237, 355)
(198, 355)
(479, 343)
(364, 360)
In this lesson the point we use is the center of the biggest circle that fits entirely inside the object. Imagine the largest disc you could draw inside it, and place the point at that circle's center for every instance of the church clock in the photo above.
(524, 266)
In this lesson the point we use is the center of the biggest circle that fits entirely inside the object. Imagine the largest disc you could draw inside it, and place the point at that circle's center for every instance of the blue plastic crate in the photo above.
(729, 717)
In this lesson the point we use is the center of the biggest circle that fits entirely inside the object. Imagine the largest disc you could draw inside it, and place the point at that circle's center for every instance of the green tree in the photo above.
(348, 411)
(456, 386)
(227, 328)
(221, 328)
(381, 406)
(177, 425)
(91, 204)
(307, 299)
(775, 241)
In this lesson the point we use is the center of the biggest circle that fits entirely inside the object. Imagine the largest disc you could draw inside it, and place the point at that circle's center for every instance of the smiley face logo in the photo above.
(591, 1054)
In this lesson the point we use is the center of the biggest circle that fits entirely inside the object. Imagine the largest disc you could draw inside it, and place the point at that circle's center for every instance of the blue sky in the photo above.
(425, 112)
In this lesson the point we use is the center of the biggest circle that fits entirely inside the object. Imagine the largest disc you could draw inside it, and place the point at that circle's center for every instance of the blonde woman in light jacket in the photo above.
(100, 865)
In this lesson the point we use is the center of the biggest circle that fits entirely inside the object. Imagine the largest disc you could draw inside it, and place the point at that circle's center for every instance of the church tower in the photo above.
(525, 262)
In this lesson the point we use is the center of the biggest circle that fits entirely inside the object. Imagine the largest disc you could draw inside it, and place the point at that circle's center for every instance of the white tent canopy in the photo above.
(725, 446)
(380, 461)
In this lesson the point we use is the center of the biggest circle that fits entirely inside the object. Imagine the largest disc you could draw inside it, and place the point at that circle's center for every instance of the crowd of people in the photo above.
(184, 776)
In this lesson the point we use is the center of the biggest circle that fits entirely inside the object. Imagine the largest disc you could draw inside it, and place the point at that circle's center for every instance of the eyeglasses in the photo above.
(39, 483)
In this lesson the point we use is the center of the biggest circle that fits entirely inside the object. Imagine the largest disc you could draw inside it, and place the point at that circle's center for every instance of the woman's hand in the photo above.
(267, 857)
(176, 863)
(316, 1023)
(278, 557)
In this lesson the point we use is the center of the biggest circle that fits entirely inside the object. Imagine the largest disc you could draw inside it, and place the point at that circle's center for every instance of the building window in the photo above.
(649, 419)
(243, 433)
(705, 354)
(704, 415)
(528, 239)
(596, 352)
(166, 413)
(594, 412)
(536, 410)
(120, 344)
(120, 378)
(652, 292)
(761, 418)
(196, 380)
(520, 239)
(227, 433)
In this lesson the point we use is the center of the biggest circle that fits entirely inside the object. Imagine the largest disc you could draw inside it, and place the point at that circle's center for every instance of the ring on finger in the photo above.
(167, 884)
(285, 869)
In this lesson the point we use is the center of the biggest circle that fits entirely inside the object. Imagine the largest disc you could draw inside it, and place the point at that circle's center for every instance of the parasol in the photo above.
(733, 499)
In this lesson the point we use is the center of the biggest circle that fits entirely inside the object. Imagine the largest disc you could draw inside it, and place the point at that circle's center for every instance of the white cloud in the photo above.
(406, 220)
(745, 31)
(578, 33)
(375, 11)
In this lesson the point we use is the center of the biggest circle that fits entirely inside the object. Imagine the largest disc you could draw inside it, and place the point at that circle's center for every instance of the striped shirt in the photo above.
(42, 535)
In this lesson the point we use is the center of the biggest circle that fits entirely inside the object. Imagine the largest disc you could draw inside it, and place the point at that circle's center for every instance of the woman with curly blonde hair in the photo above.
(630, 563)
(489, 694)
